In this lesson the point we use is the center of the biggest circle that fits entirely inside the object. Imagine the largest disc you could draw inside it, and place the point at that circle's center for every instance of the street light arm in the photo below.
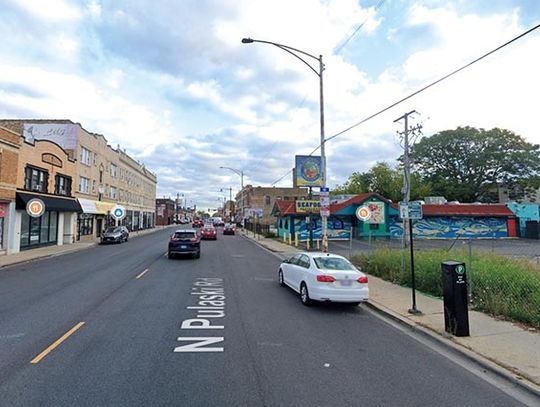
(289, 50)
(237, 172)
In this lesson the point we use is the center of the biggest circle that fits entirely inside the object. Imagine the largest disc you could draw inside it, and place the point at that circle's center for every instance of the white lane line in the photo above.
(142, 274)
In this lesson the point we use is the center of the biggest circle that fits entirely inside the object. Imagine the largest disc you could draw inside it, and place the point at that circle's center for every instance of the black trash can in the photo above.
(456, 315)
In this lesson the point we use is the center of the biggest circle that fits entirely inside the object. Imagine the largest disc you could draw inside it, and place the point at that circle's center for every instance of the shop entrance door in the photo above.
(99, 226)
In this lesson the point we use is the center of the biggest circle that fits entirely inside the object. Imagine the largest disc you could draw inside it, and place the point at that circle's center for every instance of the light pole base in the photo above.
(414, 311)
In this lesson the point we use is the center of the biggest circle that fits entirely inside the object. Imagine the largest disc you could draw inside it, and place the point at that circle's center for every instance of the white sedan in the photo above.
(324, 277)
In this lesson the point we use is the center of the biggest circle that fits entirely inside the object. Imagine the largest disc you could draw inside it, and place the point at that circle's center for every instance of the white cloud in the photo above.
(50, 10)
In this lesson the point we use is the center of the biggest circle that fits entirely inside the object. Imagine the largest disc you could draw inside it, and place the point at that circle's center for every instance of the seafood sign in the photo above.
(308, 171)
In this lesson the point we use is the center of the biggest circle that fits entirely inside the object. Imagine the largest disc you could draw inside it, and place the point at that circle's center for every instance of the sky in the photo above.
(171, 82)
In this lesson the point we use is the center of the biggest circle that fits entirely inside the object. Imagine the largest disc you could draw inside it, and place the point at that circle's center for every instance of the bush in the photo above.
(500, 286)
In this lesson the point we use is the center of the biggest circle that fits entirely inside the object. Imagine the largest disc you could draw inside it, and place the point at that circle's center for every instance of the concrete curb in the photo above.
(504, 372)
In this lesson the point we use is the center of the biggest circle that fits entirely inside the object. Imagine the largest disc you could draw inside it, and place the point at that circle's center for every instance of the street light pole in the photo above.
(241, 174)
(319, 73)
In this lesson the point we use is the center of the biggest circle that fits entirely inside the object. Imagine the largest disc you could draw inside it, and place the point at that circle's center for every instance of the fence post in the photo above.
(284, 237)
(296, 239)
(290, 239)
(350, 242)
(318, 244)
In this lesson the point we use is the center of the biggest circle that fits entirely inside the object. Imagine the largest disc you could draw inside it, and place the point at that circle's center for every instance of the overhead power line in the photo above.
(421, 90)
(358, 28)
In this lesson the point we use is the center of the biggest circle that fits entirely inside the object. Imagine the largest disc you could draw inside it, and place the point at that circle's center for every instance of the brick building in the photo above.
(10, 145)
(104, 176)
(260, 200)
(165, 211)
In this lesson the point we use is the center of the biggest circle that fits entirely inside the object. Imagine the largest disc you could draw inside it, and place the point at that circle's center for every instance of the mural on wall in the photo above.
(453, 227)
(337, 228)
(377, 212)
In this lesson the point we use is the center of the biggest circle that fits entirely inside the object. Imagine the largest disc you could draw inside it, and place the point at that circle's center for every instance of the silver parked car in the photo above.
(115, 234)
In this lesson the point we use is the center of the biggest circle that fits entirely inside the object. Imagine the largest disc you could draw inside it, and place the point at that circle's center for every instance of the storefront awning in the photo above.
(95, 207)
(52, 203)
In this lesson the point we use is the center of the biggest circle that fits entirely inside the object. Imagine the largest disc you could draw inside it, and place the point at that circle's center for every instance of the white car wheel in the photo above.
(304, 295)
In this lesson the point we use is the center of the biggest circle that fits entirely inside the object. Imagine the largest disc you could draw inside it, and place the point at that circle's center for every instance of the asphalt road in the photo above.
(268, 349)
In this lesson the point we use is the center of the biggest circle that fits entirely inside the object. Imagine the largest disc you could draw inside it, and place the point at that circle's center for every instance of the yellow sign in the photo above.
(308, 206)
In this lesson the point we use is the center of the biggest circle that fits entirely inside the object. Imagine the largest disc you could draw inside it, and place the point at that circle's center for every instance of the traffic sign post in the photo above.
(411, 211)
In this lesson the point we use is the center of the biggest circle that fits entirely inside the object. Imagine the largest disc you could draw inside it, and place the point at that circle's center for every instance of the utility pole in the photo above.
(415, 131)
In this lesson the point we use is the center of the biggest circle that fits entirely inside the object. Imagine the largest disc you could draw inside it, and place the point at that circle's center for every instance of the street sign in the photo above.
(363, 213)
(325, 191)
(410, 210)
(35, 207)
(325, 212)
(118, 212)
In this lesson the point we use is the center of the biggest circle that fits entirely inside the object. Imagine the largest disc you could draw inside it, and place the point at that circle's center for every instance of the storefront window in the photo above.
(85, 224)
(39, 231)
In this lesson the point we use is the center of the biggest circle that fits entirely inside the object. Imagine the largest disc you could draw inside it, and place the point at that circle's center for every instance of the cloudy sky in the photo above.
(171, 82)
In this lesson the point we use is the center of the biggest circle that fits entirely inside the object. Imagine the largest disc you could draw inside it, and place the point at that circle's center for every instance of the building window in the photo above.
(114, 170)
(267, 200)
(85, 156)
(112, 194)
(36, 179)
(85, 224)
(93, 185)
(84, 185)
(62, 185)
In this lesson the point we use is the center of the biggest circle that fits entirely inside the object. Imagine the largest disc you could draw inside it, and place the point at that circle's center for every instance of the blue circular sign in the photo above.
(118, 212)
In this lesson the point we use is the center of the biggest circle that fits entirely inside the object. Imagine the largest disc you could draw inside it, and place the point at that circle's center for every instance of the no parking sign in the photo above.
(118, 212)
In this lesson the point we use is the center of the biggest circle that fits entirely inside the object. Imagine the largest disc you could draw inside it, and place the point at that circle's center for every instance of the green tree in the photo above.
(386, 181)
(468, 164)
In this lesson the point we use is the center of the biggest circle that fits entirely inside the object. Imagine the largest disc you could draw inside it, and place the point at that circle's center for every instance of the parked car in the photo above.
(115, 234)
(209, 233)
(324, 277)
(229, 229)
(185, 241)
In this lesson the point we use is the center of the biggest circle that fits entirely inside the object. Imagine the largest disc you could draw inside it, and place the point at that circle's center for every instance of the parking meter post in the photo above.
(413, 310)
(455, 299)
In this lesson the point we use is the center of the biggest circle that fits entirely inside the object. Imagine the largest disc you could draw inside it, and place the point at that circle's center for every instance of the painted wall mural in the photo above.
(453, 227)
(337, 228)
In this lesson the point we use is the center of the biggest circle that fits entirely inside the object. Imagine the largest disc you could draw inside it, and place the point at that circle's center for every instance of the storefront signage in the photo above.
(307, 206)
(118, 212)
(35, 207)
(308, 171)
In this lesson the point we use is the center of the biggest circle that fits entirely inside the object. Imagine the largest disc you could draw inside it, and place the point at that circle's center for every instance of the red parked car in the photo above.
(208, 233)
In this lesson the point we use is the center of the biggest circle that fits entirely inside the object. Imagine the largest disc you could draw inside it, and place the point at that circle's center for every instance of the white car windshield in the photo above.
(333, 263)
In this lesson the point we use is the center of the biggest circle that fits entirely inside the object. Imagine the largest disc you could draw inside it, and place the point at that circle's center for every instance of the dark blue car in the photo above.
(185, 241)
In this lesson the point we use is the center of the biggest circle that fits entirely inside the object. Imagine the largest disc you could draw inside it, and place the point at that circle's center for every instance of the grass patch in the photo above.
(500, 286)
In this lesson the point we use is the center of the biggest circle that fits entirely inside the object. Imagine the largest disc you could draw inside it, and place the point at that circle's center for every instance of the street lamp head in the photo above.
(247, 40)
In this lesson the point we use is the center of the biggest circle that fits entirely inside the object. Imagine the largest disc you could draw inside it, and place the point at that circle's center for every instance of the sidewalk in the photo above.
(51, 251)
(493, 343)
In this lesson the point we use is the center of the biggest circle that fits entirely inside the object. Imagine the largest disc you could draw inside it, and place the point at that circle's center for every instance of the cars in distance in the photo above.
(197, 223)
(228, 229)
(208, 233)
(115, 234)
(327, 277)
(184, 241)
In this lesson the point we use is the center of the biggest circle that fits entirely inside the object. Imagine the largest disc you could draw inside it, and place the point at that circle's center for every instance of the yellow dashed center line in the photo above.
(142, 274)
(57, 343)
